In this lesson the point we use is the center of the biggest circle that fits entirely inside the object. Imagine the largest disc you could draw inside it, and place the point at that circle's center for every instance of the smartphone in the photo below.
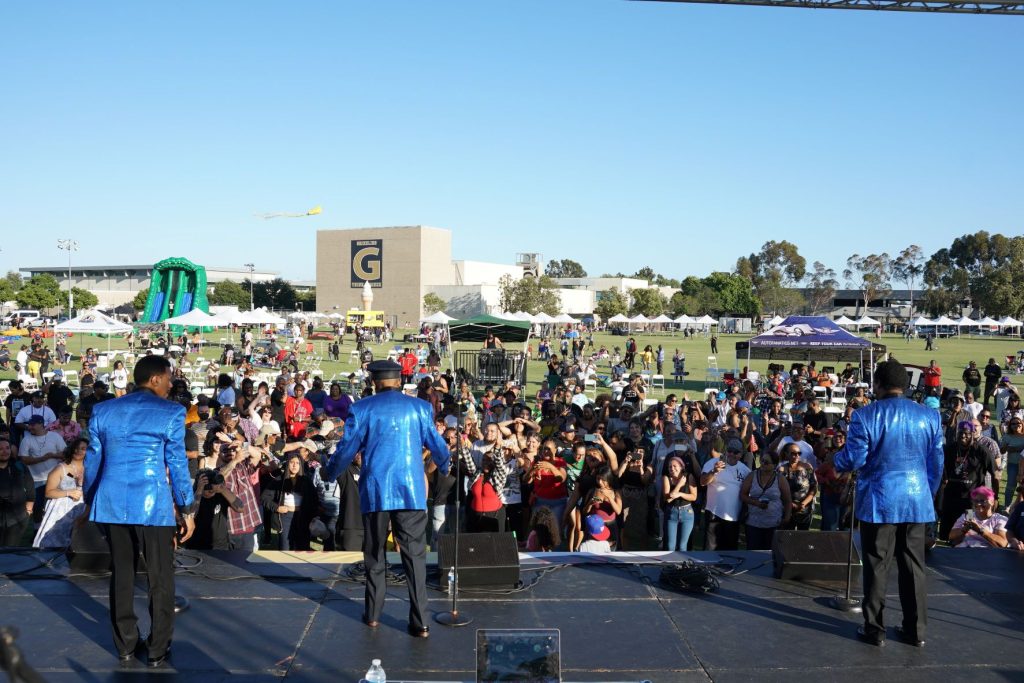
(590, 438)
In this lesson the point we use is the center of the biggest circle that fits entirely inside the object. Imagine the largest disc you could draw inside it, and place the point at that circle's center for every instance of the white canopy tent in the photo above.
(261, 316)
(620, 318)
(663, 320)
(439, 318)
(565, 318)
(944, 320)
(93, 322)
(543, 318)
(1008, 321)
(988, 322)
(964, 321)
(843, 321)
(683, 320)
(866, 320)
(921, 321)
(706, 320)
(195, 318)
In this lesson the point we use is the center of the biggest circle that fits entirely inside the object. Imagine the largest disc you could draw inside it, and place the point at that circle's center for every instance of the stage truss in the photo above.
(878, 5)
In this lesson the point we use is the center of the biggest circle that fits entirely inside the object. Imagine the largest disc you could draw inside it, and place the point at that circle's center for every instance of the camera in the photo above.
(213, 478)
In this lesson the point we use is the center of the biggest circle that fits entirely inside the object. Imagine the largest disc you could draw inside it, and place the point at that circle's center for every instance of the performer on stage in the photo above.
(895, 447)
(391, 430)
(138, 489)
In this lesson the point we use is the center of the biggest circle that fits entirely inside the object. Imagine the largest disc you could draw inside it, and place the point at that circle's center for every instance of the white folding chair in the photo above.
(590, 386)
(71, 377)
(353, 356)
(839, 396)
(658, 382)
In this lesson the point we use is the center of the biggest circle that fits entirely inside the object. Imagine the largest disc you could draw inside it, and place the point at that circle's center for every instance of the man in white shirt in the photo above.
(39, 449)
(37, 407)
(723, 478)
(972, 406)
(797, 437)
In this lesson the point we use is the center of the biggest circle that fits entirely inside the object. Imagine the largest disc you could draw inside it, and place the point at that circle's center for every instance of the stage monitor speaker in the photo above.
(484, 559)
(89, 552)
(814, 556)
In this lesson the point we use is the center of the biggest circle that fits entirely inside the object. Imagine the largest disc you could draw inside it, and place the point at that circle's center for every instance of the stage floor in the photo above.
(296, 621)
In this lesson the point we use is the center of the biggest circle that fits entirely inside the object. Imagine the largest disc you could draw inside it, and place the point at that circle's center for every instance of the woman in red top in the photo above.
(297, 413)
(548, 478)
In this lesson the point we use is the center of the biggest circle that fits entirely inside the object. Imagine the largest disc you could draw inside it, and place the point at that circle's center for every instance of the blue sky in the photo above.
(620, 134)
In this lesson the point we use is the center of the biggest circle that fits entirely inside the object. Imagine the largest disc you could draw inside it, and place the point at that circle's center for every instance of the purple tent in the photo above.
(805, 338)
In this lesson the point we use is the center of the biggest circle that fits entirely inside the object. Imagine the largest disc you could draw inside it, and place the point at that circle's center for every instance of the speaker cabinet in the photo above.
(813, 556)
(89, 552)
(484, 559)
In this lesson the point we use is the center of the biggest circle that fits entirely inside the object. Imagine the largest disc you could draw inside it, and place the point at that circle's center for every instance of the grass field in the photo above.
(951, 354)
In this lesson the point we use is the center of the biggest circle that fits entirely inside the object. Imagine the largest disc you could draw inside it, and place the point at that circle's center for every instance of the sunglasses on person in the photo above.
(982, 503)
(795, 451)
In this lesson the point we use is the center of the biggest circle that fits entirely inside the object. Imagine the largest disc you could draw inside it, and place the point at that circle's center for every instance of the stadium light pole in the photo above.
(69, 246)
(252, 269)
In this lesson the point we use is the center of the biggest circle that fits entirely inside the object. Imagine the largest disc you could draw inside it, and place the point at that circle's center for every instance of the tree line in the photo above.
(978, 272)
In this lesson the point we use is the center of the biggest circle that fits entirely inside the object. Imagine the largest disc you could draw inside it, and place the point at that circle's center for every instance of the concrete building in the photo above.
(116, 285)
(404, 263)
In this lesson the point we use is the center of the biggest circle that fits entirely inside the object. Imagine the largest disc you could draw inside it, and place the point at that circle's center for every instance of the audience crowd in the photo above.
(568, 468)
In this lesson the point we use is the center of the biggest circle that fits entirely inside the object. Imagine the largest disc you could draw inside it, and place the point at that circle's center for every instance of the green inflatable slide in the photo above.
(176, 287)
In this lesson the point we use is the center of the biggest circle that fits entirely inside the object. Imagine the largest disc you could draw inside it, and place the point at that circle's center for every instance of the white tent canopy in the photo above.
(439, 318)
(565, 318)
(195, 318)
(706, 320)
(93, 322)
(683, 320)
(988, 322)
(618, 318)
(663, 319)
(866, 320)
(774, 322)
(920, 321)
(639, 318)
(543, 318)
(1008, 321)
(260, 316)
(966, 322)
(842, 321)
(944, 320)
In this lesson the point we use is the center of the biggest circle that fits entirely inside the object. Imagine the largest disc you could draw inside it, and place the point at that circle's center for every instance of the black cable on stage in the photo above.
(689, 577)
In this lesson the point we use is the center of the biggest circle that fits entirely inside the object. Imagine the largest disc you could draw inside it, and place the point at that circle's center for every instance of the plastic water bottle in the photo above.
(375, 674)
(451, 581)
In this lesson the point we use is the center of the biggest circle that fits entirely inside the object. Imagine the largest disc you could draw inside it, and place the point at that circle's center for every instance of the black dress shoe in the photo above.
(871, 639)
(906, 637)
(127, 657)
(419, 631)
(158, 662)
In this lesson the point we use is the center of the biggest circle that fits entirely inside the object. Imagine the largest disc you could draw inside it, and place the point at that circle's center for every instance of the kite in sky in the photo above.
(315, 211)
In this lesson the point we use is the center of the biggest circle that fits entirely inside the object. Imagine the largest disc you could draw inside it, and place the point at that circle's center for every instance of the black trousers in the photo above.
(156, 544)
(410, 530)
(721, 534)
(879, 544)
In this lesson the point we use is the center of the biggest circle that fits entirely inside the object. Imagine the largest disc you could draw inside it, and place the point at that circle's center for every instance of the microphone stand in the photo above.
(453, 617)
(846, 603)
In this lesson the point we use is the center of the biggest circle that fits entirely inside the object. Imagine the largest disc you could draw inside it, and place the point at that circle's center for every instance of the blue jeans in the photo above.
(1009, 484)
(678, 526)
(438, 516)
(830, 509)
(556, 505)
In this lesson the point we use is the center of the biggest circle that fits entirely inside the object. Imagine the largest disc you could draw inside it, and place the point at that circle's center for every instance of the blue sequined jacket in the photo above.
(895, 446)
(391, 430)
(136, 470)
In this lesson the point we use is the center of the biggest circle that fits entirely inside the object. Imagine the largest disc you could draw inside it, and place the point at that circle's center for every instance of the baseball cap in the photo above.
(932, 402)
(310, 445)
(596, 527)
(326, 427)
(36, 420)
(451, 421)
(743, 404)
(270, 429)
(734, 445)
